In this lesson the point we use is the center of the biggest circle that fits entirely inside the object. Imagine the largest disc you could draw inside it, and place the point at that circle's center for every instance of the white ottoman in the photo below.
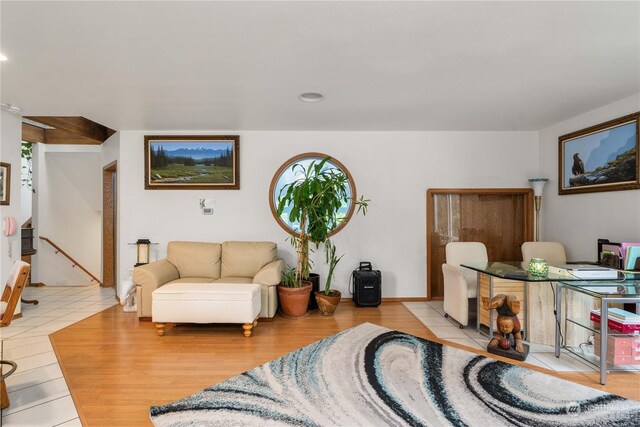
(206, 303)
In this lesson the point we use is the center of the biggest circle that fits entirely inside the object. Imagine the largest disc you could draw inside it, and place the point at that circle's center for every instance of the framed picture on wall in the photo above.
(5, 183)
(600, 158)
(192, 162)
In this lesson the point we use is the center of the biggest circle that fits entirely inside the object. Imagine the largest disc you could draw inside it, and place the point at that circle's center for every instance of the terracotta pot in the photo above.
(293, 301)
(328, 303)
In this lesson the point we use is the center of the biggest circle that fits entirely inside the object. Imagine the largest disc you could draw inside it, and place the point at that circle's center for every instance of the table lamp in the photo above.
(537, 184)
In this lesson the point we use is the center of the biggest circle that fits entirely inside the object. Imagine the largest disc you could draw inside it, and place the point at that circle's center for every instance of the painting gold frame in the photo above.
(603, 157)
(5, 183)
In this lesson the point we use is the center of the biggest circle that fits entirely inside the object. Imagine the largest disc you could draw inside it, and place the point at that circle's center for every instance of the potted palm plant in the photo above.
(314, 201)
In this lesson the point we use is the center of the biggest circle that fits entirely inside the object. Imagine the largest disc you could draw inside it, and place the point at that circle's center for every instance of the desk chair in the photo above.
(553, 252)
(461, 284)
(11, 295)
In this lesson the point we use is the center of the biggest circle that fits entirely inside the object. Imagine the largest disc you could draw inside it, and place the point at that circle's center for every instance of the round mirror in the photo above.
(285, 175)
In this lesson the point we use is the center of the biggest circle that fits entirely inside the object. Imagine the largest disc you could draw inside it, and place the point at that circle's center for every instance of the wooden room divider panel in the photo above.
(501, 218)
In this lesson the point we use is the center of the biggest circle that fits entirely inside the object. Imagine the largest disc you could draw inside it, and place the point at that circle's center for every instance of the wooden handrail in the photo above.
(59, 250)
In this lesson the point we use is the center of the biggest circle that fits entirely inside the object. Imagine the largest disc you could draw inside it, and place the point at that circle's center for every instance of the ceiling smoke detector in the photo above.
(311, 97)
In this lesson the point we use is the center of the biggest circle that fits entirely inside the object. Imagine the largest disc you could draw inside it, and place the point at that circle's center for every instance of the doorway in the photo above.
(109, 225)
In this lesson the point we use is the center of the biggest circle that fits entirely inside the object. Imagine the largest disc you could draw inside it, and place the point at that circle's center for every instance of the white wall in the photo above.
(578, 220)
(10, 135)
(69, 204)
(393, 169)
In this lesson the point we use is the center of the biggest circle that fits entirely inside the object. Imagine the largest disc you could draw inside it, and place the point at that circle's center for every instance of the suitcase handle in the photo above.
(365, 266)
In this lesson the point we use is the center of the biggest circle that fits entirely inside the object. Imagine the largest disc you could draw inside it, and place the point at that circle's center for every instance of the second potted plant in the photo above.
(329, 299)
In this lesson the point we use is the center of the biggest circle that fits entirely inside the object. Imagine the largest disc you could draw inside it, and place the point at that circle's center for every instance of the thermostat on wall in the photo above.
(207, 206)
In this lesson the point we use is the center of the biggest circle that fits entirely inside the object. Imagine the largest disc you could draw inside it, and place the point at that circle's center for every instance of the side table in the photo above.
(609, 292)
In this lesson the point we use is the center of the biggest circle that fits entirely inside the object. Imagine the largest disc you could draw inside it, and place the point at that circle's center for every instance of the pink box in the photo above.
(621, 350)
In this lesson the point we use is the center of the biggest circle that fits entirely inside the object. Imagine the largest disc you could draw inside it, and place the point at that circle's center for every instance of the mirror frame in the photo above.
(287, 164)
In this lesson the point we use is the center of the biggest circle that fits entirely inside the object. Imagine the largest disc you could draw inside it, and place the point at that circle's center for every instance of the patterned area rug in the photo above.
(369, 375)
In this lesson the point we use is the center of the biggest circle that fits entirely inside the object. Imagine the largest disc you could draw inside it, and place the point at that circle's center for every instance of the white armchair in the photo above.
(553, 252)
(461, 284)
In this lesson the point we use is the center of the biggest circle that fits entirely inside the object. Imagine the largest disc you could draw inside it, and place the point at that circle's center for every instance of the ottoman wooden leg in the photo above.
(248, 328)
(160, 328)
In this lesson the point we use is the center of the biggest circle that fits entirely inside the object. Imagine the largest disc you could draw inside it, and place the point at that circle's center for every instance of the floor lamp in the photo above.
(538, 185)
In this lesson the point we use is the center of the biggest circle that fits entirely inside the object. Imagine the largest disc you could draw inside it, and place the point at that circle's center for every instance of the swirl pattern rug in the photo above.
(369, 375)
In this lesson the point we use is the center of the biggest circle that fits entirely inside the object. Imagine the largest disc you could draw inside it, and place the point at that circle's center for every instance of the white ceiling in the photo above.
(381, 65)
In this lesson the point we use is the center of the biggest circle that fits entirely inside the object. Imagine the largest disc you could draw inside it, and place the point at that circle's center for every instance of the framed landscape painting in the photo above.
(192, 162)
(600, 158)
(5, 183)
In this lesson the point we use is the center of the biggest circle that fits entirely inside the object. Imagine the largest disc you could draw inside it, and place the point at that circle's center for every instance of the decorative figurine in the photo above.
(507, 340)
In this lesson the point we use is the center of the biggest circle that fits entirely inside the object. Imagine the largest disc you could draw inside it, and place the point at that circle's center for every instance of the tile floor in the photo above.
(431, 314)
(38, 393)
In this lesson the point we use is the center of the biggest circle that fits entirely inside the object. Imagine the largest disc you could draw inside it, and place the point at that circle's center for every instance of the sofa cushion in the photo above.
(206, 292)
(234, 279)
(192, 280)
(195, 259)
(245, 259)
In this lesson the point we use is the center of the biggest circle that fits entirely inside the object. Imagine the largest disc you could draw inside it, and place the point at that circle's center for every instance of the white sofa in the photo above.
(200, 262)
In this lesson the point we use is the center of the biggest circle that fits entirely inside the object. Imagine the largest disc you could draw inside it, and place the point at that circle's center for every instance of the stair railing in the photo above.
(74, 263)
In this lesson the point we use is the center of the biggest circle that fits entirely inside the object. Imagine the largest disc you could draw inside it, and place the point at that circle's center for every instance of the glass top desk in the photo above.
(625, 289)
(513, 278)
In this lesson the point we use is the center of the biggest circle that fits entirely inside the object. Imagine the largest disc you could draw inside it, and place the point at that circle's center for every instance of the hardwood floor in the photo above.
(116, 367)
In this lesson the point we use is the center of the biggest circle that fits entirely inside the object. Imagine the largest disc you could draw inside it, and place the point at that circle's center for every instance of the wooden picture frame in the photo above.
(5, 183)
(603, 157)
(192, 162)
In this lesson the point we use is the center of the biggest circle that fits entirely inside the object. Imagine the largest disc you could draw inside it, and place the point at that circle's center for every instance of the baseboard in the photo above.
(144, 319)
(37, 285)
(389, 299)
(402, 299)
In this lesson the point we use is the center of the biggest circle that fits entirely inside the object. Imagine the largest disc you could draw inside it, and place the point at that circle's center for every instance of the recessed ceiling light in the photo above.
(311, 97)
(2, 57)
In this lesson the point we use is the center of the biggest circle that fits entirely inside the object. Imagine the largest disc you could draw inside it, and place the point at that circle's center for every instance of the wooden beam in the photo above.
(59, 136)
(32, 133)
(77, 125)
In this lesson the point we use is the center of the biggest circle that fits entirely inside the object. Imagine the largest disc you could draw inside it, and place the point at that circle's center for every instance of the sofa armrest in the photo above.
(147, 279)
(270, 274)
